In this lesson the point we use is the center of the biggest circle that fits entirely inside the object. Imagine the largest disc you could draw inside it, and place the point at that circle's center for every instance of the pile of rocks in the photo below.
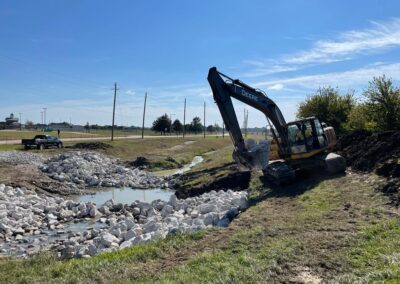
(140, 222)
(30, 222)
(21, 157)
(94, 170)
(25, 214)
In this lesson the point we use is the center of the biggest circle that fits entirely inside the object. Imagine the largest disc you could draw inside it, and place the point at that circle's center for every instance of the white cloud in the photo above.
(344, 46)
(130, 92)
(348, 44)
(276, 87)
(348, 78)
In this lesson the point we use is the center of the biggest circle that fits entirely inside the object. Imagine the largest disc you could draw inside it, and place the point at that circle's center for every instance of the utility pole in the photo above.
(223, 130)
(184, 119)
(41, 117)
(144, 113)
(44, 115)
(204, 118)
(20, 121)
(115, 97)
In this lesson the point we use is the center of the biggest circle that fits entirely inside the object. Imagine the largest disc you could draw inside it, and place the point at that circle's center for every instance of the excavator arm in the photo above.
(224, 88)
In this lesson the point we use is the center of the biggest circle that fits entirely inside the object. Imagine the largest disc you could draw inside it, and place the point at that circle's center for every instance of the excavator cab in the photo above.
(307, 137)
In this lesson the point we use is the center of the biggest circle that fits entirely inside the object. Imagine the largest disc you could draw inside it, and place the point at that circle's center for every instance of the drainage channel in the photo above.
(125, 195)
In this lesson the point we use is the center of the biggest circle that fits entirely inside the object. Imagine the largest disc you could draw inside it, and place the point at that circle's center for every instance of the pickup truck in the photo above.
(41, 142)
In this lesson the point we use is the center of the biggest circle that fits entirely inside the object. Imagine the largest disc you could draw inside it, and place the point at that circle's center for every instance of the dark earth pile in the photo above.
(379, 152)
(91, 146)
(140, 162)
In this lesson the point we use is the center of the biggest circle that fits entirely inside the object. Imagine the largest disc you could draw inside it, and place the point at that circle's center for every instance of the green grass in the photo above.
(46, 268)
(232, 266)
(8, 147)
(376, 255)
(158, 150)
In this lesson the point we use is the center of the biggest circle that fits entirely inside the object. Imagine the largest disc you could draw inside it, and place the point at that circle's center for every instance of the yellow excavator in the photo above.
(302, 144)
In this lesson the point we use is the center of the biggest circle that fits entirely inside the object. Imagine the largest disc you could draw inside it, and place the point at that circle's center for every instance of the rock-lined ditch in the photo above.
(26, 218)
(30, 222)
(34, 221)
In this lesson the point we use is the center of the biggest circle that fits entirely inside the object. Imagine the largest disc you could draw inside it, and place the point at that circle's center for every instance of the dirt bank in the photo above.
(91, 146)
(30, 177)
(375, 152)
(234, 180)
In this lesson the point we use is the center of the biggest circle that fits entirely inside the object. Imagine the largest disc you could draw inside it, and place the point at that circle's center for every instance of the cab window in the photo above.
(295, 135)
(318, 127)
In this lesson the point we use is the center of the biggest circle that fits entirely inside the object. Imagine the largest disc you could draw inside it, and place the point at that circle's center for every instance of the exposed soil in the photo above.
(140, 162)
(366, 151)
(234, 180)
(145, 163)
(30, 177)
(380, 152)
(91, 146)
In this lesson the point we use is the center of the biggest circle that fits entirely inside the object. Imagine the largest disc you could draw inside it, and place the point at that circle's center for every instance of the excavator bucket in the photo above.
(256, 157)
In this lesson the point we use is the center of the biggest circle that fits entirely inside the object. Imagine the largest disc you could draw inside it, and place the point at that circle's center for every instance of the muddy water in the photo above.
(126, 195)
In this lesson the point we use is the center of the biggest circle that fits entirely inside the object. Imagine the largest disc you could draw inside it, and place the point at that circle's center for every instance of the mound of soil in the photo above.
(391, 188)
(91, 146)
(140, 162)
(380, 152)
(366, 151)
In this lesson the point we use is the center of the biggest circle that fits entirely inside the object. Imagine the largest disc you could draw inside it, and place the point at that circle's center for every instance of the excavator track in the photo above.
(280, 172)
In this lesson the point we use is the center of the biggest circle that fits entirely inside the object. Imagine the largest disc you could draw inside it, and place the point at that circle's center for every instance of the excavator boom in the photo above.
(224, 90)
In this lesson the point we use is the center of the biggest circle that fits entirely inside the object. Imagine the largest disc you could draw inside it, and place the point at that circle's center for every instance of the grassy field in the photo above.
(322, 228)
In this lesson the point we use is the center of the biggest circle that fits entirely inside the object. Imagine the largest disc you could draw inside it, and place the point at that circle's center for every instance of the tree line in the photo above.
(378, 109)
(164, 124)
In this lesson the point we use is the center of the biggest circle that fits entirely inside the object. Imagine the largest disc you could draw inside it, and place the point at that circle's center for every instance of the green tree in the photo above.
(360, 118)
(196, 125)
(329, 106)
(161, 124)
(383, 101)
(177, 126)
(210, 128)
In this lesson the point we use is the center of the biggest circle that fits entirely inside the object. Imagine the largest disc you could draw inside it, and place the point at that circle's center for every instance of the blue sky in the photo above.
(66, 55)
